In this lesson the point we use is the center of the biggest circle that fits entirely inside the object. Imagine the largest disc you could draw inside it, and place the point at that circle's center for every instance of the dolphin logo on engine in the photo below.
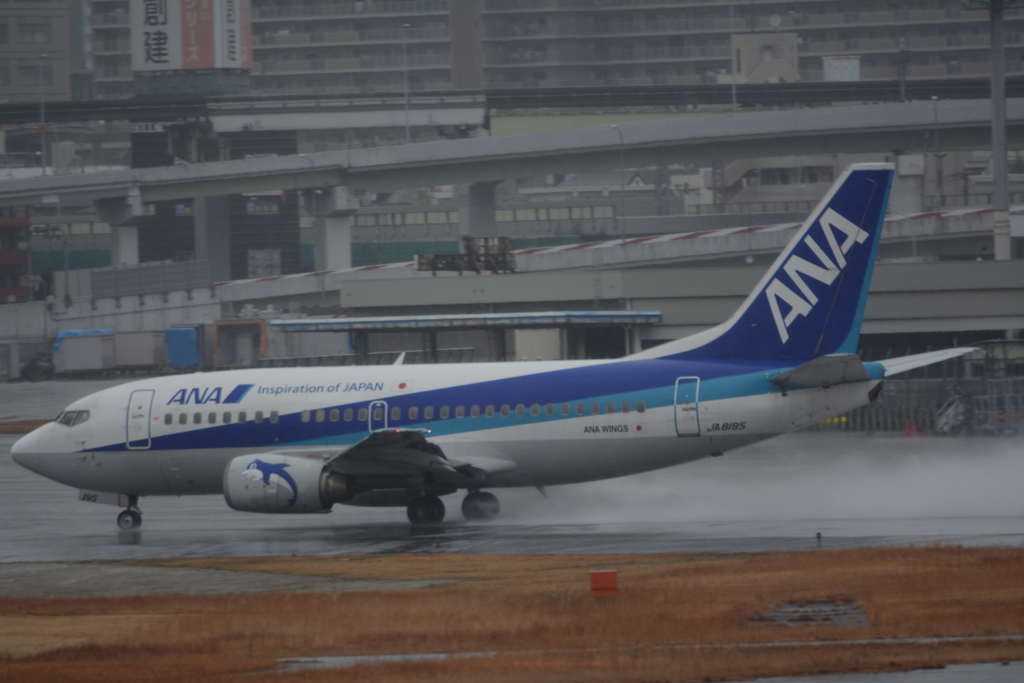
(258, 470)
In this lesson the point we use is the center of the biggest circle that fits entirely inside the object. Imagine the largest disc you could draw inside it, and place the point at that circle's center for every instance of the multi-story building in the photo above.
(349, 46)
(318, 46)
(34, 52)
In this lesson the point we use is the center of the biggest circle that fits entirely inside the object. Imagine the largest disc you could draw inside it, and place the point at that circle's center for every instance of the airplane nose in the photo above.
(24, 449)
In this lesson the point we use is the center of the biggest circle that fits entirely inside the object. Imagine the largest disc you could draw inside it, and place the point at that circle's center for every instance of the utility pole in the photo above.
(42, 111)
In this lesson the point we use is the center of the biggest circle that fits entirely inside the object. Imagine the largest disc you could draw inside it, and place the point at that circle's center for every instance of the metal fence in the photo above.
(150, 279)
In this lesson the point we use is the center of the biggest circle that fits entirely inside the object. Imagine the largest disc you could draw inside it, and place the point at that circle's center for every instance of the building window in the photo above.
(5, 77)
(31, 75)
(35, 33)
(3, 34)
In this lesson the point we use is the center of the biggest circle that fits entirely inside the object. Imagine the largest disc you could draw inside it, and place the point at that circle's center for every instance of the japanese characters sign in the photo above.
(174, 35)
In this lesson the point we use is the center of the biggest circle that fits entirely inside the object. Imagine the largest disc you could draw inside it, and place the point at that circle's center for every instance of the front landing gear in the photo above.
(480, 505)
(426, 510)
(129, 519)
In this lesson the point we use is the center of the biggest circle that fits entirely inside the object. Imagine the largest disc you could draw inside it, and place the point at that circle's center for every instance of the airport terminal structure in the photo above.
(308, 227)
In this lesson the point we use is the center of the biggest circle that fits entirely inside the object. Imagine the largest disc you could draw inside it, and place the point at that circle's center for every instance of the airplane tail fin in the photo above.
(811, 301)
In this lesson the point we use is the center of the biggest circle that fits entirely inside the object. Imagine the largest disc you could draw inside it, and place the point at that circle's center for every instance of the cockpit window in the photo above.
(70, 418)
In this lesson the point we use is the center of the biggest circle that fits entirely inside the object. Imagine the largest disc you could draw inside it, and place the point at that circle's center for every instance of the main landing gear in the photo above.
(425, 510)
(479, 505)
(131, 518)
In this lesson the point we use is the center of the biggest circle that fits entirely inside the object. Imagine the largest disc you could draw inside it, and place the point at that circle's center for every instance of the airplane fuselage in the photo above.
(555, 422)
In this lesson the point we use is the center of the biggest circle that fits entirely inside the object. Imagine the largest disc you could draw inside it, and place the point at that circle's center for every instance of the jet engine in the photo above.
(268, 482)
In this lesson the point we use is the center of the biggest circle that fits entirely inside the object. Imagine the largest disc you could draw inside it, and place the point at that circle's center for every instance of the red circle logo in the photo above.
(639, 428)
(402, 385)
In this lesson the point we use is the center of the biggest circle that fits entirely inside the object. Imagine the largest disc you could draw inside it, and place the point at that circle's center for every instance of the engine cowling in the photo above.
(274, 483)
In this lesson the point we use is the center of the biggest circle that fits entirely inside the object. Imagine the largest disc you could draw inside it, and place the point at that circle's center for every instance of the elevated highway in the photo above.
(880, 128)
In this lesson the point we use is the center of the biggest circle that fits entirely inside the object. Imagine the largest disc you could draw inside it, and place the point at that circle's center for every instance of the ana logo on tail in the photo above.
(258, 470)
(797, 268)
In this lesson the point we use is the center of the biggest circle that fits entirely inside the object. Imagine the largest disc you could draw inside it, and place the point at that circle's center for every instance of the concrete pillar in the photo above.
(123, 214)
(476, 210)
(1002, 247)
(124, 247)
(211, 225)
(332, 228)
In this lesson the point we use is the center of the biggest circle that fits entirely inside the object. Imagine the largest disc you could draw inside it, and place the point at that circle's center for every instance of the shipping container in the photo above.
(139, 349)
(85, 353)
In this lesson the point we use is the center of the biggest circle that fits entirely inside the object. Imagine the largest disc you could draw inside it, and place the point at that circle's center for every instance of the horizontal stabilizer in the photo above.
(894, 366)
(824, 372)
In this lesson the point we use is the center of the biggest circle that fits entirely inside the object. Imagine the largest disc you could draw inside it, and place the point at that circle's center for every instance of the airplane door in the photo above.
(378, 417)
(687, 406)
(140, 407)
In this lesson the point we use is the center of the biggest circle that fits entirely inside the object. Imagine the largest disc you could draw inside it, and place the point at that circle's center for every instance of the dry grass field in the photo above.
(676, 618)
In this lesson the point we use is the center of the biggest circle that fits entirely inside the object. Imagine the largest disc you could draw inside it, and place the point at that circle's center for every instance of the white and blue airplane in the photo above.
(299, 440)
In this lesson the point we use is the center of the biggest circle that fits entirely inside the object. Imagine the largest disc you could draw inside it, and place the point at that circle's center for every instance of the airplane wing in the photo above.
(401, 452)
(894, 366)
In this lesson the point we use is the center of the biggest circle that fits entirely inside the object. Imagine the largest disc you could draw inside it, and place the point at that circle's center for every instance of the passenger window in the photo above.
(212, 418)
(274, 416)
(460, 411)
(378, 413)
(550, 409)
(362, 414)
(625, 406)
(321, 415)
(489, 411)
(565, 409)
(474, 411)
(414, 413)
(182, 419)
(168, 419)
(428, 413)
(610, 407)
(259, 417)
(504, 411)
(348, 414)
(520, 410)
(595, 408)
(197, 418)
(535, 410)
(444, 412)
(227, 418)
(641, 406)
(335, 414)
(305, 416)
(580, 409)
(241, 416)
(396, 413)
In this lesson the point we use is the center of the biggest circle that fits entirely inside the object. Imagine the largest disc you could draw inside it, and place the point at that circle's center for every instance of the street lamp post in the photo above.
(622, 182)
(405, 77)
(42, 111)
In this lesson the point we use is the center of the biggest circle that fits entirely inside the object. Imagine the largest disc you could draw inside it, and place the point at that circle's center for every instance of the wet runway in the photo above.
(776, 496)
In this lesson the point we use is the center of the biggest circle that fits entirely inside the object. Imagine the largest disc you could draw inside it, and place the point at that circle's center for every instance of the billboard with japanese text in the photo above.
(175, 35)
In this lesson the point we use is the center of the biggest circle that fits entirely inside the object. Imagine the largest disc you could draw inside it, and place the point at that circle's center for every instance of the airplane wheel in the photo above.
(480, 505)
(129, 519)
(426, 510)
